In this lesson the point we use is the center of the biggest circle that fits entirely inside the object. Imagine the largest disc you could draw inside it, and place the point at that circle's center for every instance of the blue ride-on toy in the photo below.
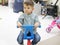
(28, 33)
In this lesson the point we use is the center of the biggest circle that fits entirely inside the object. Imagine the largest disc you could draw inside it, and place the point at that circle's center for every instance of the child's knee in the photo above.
(20, 38)
(20, 41)
(38, 38)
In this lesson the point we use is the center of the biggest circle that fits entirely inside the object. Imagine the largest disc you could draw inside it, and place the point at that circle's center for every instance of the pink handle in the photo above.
(53, 23)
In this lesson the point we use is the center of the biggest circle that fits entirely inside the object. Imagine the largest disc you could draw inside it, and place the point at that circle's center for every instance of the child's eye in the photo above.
(28, 8)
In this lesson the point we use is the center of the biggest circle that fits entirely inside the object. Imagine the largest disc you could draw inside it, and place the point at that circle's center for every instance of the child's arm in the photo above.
(19, 24)
(20, 21)
(37, 23)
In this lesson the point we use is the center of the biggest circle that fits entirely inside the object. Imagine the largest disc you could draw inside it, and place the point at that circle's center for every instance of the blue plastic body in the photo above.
(28, 28)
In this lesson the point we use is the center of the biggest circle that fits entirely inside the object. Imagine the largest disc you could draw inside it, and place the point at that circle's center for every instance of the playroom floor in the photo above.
(9, 32)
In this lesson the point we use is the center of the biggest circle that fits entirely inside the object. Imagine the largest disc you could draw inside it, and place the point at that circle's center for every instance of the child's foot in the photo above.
(21, 44)
(33, 44)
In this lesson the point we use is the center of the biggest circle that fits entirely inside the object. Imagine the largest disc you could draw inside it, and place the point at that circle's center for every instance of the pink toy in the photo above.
(55, 22)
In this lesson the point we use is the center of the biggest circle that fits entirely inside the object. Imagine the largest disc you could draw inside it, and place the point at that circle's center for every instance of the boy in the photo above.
(28, 18)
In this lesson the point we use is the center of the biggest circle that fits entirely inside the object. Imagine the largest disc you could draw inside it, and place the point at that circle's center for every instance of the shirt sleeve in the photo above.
(21, 19)
(36, 19)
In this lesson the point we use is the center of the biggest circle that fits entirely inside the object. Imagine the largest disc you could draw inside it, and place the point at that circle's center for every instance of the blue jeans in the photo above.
(35, 40)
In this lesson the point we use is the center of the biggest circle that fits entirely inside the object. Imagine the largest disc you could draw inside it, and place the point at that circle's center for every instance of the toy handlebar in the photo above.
(23, 26)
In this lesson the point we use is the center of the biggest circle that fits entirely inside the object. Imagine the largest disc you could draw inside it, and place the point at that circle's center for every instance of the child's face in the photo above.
(28, 9)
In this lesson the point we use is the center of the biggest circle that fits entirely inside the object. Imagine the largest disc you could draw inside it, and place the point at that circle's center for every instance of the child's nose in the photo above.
(26, 10)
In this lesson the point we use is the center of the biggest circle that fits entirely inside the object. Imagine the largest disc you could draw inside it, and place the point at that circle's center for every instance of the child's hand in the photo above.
(19, 24)
(48, 30)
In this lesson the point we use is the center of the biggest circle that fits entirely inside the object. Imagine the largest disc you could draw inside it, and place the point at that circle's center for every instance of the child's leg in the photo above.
(20, 38)
(36, 39)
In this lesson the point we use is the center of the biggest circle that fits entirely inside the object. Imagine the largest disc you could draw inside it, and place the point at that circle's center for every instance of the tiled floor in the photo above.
(51, 41)
(9, 32)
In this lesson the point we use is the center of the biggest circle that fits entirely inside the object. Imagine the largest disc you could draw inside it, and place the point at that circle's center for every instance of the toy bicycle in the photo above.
(55, 22)
(28, 34)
